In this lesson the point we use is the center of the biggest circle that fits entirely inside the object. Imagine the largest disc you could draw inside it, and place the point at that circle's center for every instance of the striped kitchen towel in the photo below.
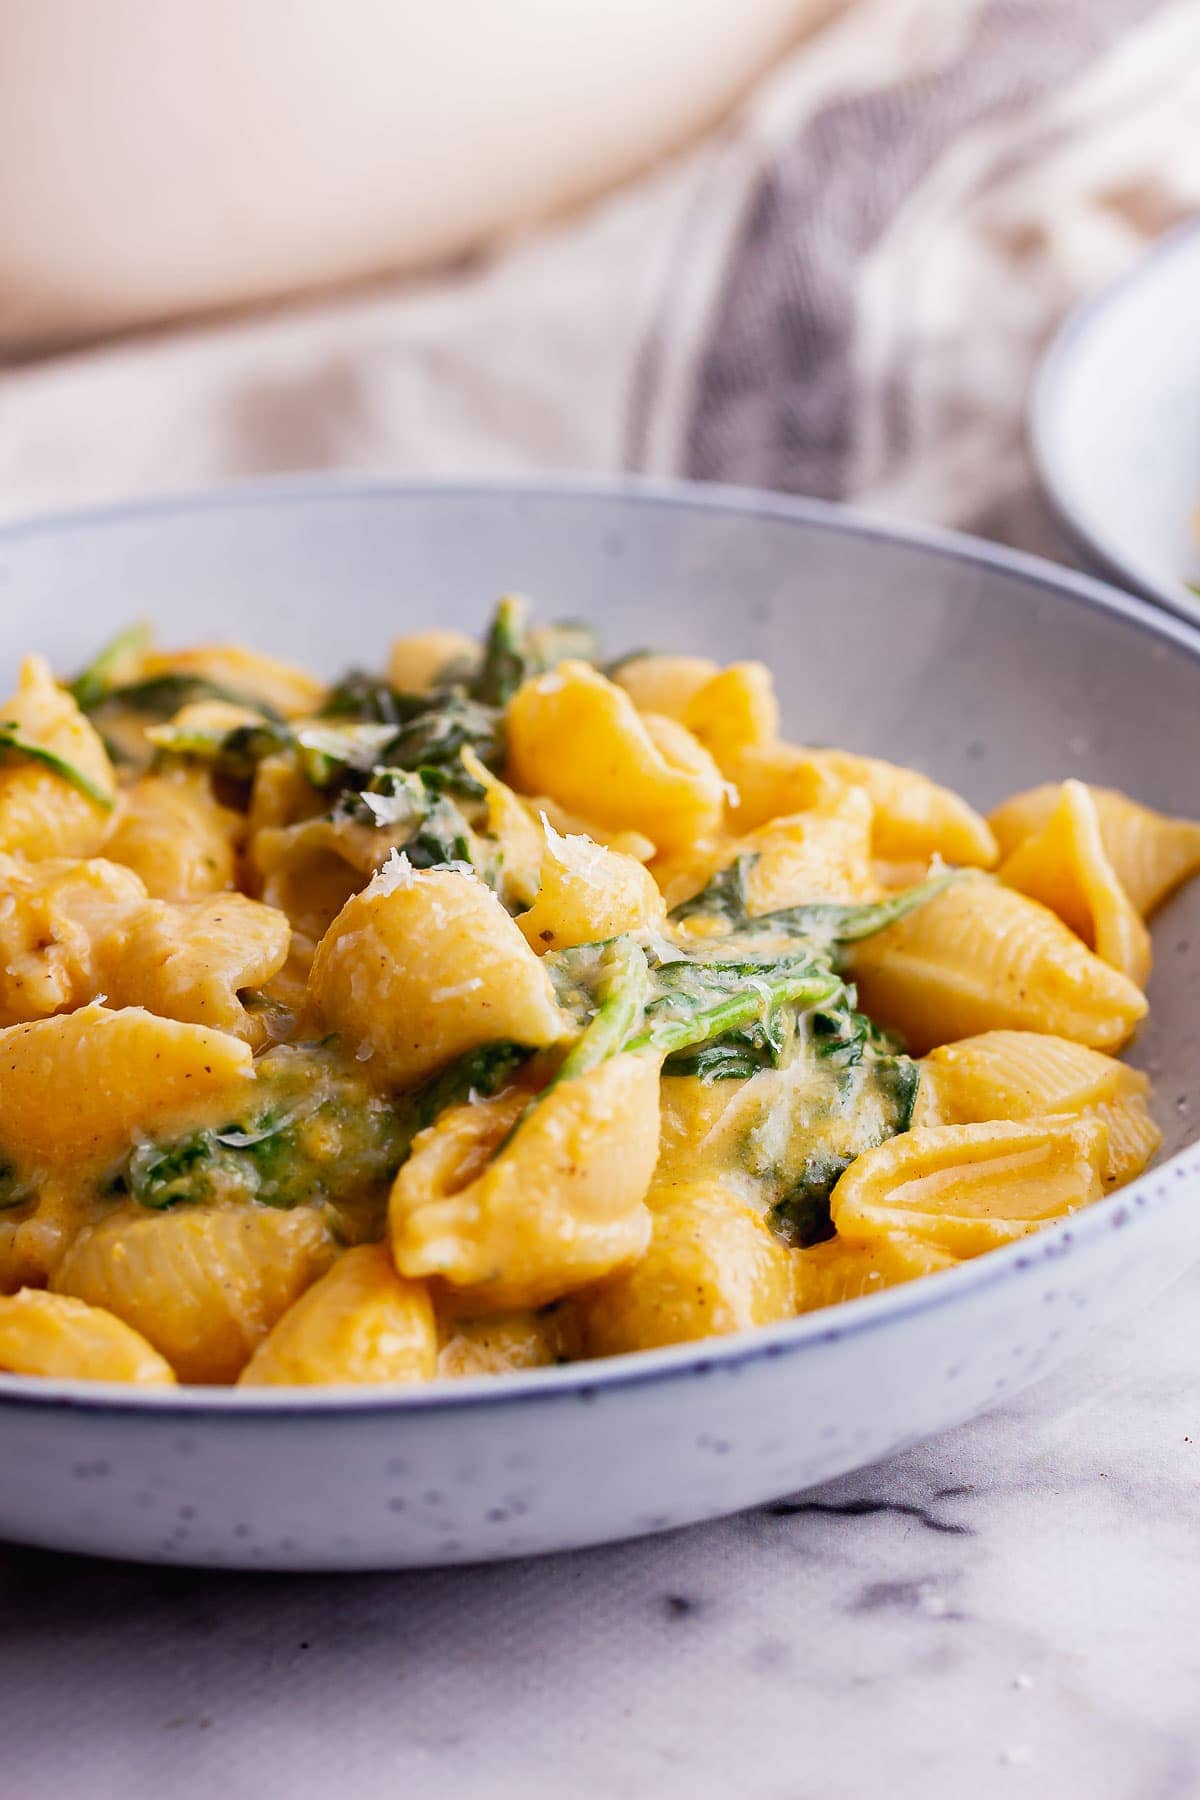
(842, 292)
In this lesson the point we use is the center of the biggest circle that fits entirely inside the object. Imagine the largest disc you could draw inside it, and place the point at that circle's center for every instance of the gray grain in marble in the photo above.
(1007, 1611)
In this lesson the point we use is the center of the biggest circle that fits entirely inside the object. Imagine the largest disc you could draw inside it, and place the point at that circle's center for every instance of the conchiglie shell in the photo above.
(520, 837)
(55, 916)
(424, 965)
(74, 1089)
(1018, 1075)
(686, 870)
(586, 894)
(175, 836)
(830, 1273)
(1023, 815)
(33, 1245)
(279, 795)
(735, 709)
(71, 929)
(579, 738)
(573, 824)
(822, 854)
(302, 872)
(359, 1322)
(713, 1266)
(281, 685)
(771, 781)
(664, 684)
(194, 962)
(915, 817)
(517, 1223)
(1066, 867)
(981, 957)
(204, 1288)
(894, 876)
(692, 801)
(1134, 1139)
(500, 1343)
(970, 1188)
(418, 662)
(202, 717)
(1027, 1075)
(41, 813)
(58, 1336)
(1150, 853)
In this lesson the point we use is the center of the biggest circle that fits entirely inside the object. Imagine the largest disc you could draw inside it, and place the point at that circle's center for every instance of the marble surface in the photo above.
(1010, 1610)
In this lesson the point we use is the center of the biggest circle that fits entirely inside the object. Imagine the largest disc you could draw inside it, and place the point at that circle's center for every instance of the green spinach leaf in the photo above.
(14, 744)
(99, 677)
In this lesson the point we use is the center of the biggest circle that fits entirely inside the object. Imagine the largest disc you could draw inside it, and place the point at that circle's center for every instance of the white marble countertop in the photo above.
(1013, 1609)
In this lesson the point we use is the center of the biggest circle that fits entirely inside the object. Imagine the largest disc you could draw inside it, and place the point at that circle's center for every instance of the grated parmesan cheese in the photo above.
(457, 990)
(387, 809)
(396, 872)
(581, 855)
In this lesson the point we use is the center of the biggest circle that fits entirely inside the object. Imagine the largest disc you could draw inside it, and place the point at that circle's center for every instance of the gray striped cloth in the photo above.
(843, 292)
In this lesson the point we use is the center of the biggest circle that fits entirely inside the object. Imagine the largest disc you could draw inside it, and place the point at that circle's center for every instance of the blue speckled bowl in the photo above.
(990, 670)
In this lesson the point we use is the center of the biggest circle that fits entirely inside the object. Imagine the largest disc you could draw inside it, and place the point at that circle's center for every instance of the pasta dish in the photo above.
(510, 1006)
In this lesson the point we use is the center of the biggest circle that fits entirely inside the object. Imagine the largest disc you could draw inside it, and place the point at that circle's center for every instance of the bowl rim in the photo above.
(1042, 428)
(588, 1381)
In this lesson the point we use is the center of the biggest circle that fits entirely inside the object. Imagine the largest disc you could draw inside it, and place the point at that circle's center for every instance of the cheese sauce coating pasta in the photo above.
(509, 1007)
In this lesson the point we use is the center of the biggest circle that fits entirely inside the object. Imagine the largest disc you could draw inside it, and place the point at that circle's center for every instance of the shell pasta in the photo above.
(510, 1007)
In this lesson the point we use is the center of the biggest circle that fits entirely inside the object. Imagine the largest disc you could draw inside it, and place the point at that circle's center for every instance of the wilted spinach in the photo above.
(317, 1133)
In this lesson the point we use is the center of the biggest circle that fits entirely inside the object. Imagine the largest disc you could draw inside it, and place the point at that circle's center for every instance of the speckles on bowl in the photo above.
(91, 1471)
(681, 1606)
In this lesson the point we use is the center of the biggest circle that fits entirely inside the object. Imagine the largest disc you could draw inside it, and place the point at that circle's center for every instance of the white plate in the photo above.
(989, 670)
(1116, 424)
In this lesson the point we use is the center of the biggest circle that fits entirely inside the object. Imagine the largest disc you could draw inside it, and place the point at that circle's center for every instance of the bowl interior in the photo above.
(989, 672)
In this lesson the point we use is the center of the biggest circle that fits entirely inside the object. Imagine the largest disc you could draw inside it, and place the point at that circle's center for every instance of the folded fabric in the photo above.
(841, 293)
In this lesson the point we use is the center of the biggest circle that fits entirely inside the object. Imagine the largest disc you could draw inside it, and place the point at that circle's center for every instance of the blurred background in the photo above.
(812, 245)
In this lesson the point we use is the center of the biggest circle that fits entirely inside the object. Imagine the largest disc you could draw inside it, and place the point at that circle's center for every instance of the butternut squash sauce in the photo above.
(507, 1007)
